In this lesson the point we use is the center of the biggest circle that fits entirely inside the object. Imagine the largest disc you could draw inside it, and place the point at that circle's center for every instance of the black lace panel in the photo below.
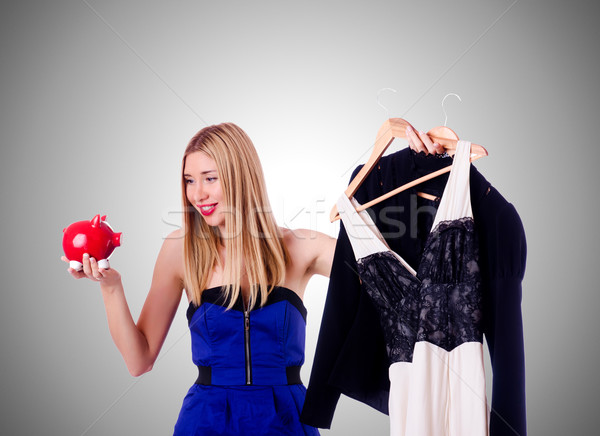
(450, 311)
(395, 293)
(442, 306)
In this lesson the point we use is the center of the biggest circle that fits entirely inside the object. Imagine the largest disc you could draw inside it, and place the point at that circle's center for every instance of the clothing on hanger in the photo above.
(351, 356)
(431, 319)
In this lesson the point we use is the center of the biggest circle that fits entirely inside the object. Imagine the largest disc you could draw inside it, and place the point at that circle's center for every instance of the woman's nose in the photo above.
(200, 194)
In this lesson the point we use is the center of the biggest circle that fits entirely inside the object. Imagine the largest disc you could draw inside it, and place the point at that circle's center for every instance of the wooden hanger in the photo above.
(396, 128)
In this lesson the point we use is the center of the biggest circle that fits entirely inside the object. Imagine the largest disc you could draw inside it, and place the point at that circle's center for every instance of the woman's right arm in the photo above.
(140, 343)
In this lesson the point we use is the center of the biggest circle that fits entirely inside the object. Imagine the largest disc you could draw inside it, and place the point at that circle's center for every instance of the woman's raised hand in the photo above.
(106, 277)
(420, 141)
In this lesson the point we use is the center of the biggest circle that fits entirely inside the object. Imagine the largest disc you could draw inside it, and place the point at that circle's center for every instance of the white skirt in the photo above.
(439, 393)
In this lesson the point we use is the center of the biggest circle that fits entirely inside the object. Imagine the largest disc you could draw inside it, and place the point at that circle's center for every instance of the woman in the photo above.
(244, 278)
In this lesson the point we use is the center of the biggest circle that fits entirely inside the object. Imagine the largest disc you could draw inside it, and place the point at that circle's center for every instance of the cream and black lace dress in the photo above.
(431, 316)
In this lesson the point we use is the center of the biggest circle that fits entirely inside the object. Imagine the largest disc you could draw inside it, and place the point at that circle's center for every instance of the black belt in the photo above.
(205, 375)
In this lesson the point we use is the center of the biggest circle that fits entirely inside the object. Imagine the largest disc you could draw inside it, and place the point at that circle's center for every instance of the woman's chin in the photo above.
(214, 221)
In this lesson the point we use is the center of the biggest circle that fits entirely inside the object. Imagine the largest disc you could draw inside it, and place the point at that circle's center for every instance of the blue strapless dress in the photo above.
(249, 368)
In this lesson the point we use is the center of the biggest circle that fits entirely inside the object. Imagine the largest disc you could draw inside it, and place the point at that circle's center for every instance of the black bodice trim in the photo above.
(279, 293)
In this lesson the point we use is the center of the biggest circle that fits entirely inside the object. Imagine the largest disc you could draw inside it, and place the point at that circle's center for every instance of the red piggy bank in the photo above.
(95, 237)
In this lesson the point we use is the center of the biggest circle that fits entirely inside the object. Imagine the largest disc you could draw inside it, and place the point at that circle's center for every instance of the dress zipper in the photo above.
(247, 346)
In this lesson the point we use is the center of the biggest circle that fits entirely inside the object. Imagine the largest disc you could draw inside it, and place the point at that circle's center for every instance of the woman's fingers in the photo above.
(103, 272)
(437, 148)
(87, 267)
(90, 267)
(76, 274)
(428, 143)
(420, 141)
(96, 275)
(414, 142)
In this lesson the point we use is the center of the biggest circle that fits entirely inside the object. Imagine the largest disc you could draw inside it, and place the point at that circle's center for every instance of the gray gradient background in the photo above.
(99, 99)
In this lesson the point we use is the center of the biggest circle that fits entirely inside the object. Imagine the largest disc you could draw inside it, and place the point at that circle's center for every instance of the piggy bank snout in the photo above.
(117, 238)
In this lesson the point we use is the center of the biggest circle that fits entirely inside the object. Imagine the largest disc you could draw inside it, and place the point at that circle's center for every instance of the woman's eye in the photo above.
(210, 179)
(188, 181)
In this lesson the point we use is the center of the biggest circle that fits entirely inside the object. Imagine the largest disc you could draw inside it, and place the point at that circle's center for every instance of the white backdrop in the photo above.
(99, 99)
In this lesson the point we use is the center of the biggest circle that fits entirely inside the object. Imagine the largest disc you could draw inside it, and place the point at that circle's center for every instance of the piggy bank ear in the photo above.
(96, 221)
(103, 218)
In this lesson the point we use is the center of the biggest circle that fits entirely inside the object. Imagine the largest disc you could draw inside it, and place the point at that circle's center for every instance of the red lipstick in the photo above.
(207, 209)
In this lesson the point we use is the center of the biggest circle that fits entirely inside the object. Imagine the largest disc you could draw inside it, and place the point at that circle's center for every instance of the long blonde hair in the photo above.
(253, 241)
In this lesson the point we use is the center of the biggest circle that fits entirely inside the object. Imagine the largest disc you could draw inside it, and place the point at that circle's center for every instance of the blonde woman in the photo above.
(244, 278)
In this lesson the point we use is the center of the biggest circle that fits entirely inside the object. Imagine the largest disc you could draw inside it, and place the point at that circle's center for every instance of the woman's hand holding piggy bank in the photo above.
(84, 242)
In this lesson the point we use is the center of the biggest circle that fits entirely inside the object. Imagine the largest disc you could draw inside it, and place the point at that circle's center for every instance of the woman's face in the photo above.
(203, 188)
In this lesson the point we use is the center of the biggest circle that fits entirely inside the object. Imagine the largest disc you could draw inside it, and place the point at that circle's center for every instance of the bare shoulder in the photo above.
(171, 254)
(174, 241)
(176, 235)
(303, 239)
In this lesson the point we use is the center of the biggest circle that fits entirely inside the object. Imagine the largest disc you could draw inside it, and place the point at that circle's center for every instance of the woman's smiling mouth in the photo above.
(207, 209)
